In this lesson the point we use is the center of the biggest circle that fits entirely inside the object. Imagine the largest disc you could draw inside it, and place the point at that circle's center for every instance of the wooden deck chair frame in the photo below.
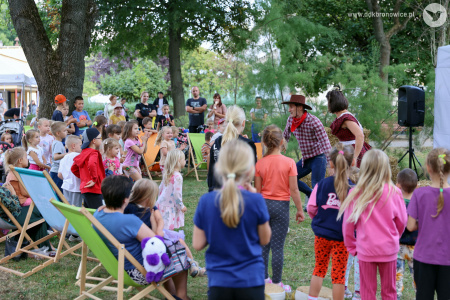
(194, 162)
(259, 150)
(103, 283)
(63, 248)
(149, 156)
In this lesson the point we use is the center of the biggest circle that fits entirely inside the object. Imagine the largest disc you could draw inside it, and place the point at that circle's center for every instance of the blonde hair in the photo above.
(235, 117)
(272, 138)
(375, 172)
(235, 166)
(4, 135)
(110, 143)
(144, 193)
(144, 92)
(28, 136)
(42, 120)
(438, 161)
(172, 163)
(159, 137)
(12, 156)
(175, 129)
(57, 127)
(71, 139)
(342, 158)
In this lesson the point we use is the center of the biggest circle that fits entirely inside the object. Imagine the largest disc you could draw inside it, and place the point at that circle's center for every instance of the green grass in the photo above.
(57, 281)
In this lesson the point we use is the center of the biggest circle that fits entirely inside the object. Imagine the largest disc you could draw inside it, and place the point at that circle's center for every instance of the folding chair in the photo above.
(84, 222)
(196, 141)
(41, 189)
(259, 150)
(150, 156)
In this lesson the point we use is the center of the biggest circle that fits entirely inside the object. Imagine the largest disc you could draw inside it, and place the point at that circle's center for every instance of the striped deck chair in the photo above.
(84, 223)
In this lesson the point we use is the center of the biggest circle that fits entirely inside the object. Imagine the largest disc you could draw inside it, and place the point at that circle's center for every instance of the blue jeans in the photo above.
(255, 130)
(56, 179)
(317, 166)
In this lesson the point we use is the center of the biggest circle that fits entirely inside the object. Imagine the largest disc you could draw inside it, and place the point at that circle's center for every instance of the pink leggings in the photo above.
(368, 278)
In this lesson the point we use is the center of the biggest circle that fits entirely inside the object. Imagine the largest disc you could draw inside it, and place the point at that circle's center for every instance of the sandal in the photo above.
(194, 269)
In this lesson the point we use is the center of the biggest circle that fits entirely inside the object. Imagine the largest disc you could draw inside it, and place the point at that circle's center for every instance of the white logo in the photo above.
(434, 15)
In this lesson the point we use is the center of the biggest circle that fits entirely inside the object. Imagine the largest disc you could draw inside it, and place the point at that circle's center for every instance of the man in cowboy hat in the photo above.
(312, 141)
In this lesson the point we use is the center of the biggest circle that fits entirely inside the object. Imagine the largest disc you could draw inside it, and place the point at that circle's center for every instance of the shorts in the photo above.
(128, 171)
(339, 256)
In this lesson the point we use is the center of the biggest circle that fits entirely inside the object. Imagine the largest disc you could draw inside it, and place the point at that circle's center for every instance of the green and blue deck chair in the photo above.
(196, 141)
(84, 222)
(41, 189)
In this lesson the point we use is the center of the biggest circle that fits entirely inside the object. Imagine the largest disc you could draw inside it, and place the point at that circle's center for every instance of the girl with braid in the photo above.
(323, 208)
(276, 180)
(429, 211)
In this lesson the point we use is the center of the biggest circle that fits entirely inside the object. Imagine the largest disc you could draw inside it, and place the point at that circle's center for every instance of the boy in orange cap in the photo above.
(60, 101)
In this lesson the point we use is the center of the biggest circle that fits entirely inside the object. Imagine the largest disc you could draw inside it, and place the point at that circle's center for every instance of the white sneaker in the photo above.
(73, 238)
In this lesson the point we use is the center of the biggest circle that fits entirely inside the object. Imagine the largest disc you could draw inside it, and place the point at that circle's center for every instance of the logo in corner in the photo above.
(435, 15)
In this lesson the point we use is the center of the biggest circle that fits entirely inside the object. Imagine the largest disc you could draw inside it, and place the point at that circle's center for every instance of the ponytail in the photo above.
(234, 167)
(438, 161)
(235, 117)
(441, 161)
(342, 158)
(27, 137)
(272, 138)
(12, 156)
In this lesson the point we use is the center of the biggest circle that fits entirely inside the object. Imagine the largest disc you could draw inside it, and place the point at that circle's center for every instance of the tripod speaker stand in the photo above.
(412, 156)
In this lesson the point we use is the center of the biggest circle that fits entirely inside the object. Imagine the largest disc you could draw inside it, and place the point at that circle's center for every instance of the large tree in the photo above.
(58, 68)
(152, 28)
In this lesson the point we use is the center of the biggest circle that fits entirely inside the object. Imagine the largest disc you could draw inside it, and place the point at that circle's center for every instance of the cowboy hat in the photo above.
(298, 99)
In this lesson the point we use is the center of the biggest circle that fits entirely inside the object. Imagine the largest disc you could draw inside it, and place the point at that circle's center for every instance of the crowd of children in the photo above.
(364, 220)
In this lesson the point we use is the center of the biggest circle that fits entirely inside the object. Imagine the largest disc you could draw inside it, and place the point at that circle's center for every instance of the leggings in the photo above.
(352, 260)
(431, 279)
(223, 293)
(279, 223)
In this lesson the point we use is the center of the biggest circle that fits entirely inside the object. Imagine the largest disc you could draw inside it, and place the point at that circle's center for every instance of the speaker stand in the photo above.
(412, 156)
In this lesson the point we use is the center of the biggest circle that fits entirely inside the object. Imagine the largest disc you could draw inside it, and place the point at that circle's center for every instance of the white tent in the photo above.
(441, 133)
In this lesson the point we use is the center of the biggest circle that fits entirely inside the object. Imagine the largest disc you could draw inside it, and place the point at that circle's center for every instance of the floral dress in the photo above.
(170, 202)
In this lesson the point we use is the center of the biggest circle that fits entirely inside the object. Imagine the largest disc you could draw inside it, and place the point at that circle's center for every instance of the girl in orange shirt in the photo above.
(276, 180)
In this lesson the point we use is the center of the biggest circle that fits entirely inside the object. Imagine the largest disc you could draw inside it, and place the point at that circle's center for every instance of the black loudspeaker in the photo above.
(411, 106)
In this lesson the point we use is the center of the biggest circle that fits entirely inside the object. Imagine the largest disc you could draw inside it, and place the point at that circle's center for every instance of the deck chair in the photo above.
(196, 141)
(150, 156)
(83, 221)
(259, 150)
(41, 189)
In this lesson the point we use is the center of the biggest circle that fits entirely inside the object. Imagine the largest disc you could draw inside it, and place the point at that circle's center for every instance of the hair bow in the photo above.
(95, 123)
(442, 156)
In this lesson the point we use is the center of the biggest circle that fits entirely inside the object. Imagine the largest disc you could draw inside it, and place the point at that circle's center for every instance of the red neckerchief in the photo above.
(296, 122)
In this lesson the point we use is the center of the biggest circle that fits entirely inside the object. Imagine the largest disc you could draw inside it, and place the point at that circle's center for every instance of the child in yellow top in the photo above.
(117, 116)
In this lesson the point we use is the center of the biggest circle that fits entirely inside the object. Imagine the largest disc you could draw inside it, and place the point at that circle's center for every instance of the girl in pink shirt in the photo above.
(276, 180)
(375, 209)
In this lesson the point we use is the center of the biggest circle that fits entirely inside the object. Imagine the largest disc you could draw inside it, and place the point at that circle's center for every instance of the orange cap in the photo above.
(60, 99)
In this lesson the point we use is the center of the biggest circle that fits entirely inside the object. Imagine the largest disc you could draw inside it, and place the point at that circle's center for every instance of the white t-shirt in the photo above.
(46, 144)
(71, 182)
(39, 152)
(160, 106)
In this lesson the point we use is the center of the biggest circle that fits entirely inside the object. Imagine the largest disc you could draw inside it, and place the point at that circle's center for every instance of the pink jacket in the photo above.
(377, 239)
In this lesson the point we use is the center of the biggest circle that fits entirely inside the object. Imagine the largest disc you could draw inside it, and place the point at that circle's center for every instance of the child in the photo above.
(165, 142)
(35, 119)
(61, 102)
(71, 183)
(117, 116)
(115, 132)
(374, 201)
(148, 127)
(125, 109)
(17, 157)
(206, 147)
(142, 204)
(170, 202)
(352, 261)
(82, 117)
(88, 166)
(429, 211)
(407, 183)
(70, 120)
(46, 140)
(133, 149)
(30, 142)
(210, 126)
(59, 131)
(234, 223)
(122, 124)
(7, 138)
(323, 208)
(276, 180)
(165, 119)
(220, 129)
(99, 123)
(111, 159)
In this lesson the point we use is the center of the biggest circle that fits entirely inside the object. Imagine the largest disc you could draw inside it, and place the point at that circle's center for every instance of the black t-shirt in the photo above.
(12, 112)
(58, 116)
(145, 110)
(214, 157)
(163, 121)
(196, 119)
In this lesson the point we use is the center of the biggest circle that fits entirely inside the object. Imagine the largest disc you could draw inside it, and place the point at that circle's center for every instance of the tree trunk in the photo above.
(176, 81)
(60, 70)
